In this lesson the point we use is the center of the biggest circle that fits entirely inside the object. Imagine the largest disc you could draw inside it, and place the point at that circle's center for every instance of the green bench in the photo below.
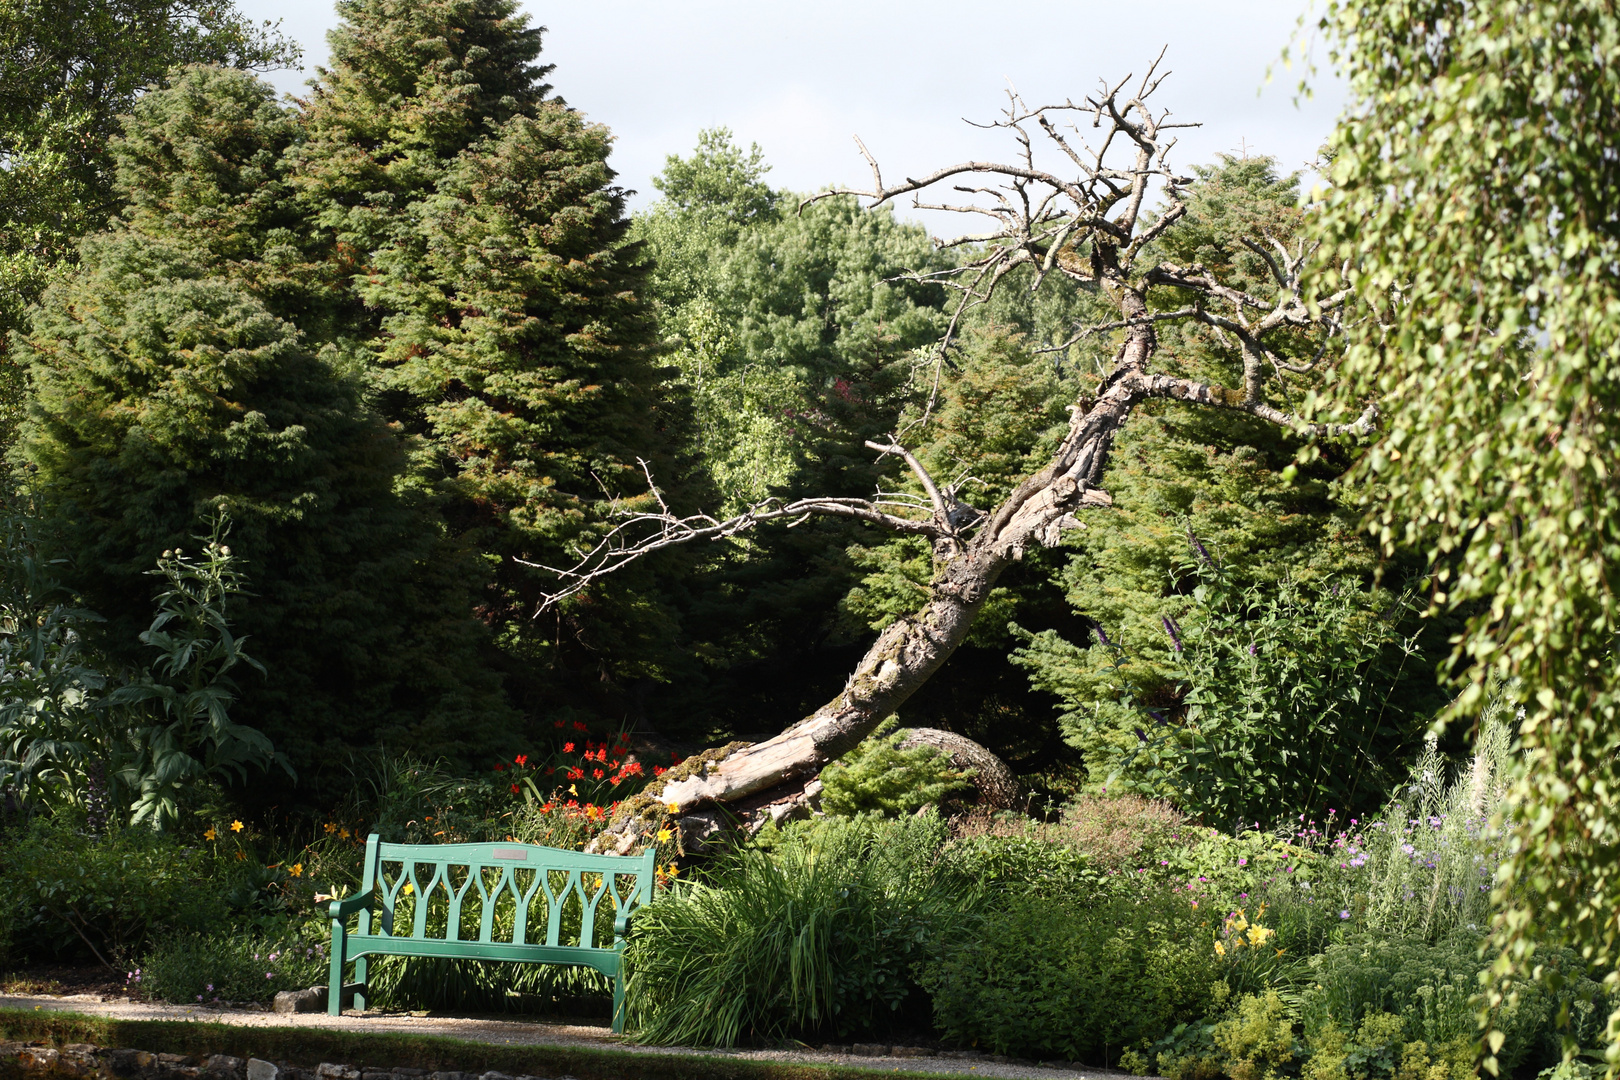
(494, 886)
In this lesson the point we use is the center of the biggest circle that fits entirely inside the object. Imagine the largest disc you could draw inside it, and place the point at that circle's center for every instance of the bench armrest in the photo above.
(621, 926)
(342, 909)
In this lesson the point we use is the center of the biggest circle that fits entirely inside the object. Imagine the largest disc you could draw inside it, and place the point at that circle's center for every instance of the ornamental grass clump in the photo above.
(818, 932)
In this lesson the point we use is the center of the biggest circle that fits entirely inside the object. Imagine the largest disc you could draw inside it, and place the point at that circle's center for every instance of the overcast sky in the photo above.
(801, 79)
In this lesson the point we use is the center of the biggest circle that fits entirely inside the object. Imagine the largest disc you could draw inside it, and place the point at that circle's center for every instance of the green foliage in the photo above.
(1494, 363)
(71, 735)
(173, 379)
(70, 891)
(1176, 472)
(882, 777)
(1426, 865)
(228, 965)
(69, 69)
(1430, 993)
(1287, 697)
(818, 931)
(794, 345)
(1036, 978)
(189, 737)
(495, 310)
(1022, 863)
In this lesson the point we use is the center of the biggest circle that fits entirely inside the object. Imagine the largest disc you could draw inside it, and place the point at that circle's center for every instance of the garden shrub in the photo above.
(819, 929)
(1257, 1040)
(1430, 991)
(70, 894)
(1019, 863)
(883, 777)
(228, 966)
(1036, 978)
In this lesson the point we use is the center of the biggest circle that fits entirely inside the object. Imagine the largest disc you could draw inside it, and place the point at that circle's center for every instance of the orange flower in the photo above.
(236, 826)
(210, 834)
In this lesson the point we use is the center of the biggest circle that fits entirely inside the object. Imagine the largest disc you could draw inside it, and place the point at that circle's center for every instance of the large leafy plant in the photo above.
(74, 731)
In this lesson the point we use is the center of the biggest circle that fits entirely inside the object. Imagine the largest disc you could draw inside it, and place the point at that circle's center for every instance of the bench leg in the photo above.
(360, 977)
(618, 1003)
(334, 985)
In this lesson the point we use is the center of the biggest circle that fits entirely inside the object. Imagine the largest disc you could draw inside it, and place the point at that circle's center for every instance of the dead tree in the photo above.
(1087, 225)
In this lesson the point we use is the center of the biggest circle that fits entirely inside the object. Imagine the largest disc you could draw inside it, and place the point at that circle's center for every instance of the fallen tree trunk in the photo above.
(1096, 244)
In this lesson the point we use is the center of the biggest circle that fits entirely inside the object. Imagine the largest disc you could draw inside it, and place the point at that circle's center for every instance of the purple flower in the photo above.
(1102, 638)
(1243, 862)
(1344, 914)
(1170, 628)
(1198, 546)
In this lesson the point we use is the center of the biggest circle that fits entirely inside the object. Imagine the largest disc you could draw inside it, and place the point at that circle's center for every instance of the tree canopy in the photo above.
(1475, 188)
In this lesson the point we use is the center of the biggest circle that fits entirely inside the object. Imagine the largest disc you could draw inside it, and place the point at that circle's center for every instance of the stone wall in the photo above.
(38, 1061)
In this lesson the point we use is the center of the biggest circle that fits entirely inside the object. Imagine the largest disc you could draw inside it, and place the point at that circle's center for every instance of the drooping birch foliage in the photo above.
(1476, 192)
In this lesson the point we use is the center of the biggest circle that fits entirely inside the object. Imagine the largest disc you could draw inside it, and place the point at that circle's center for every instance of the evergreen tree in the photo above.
(172, 379)
(68, 70)
(497, 310)
(796, 346)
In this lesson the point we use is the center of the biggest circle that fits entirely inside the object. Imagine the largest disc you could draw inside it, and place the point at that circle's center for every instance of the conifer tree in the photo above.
(796, 347)
(173, 377)
(68, 70)
(495, 305)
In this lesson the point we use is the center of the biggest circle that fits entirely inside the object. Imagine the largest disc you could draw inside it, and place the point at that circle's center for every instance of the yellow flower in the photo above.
(210, 834)
(664, 835)
(236, 826)
(343, 834)
(409, 888)
(673, 870)
(330, 828)
(673, 808)
(297, 869)
(573, 790)
(1220, 950)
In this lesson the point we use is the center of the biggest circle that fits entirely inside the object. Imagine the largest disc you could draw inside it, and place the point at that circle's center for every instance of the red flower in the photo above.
(514, 789)
(559, 723)
(659, 770)
(624, 738)
(568, 748)
(550, 769)
(597, 773)
(580, 727)
(500, 768)
(522, 759)
(576, 774)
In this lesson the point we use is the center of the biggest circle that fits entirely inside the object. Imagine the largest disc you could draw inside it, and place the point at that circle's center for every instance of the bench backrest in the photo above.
(523, 883)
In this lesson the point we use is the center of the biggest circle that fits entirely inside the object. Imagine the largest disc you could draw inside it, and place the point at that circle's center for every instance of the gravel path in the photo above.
(528, 1033)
